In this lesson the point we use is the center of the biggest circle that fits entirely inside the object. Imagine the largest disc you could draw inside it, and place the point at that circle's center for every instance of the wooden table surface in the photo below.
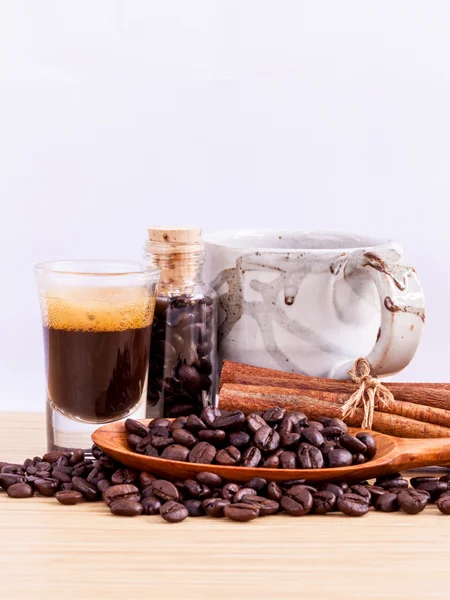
(51, 551)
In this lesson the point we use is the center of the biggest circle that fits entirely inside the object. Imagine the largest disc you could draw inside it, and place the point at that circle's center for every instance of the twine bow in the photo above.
(370, 394)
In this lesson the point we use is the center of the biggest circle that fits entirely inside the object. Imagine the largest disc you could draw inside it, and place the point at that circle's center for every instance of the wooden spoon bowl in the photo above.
(393, 454)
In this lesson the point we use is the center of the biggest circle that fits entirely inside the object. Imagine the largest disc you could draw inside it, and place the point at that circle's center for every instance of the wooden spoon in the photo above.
(393, 454)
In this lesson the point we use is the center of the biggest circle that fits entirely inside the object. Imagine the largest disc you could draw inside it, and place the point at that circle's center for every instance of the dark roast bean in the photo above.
(288, 460)
(195, 424)
(209, 414)
(47, 487)
(216, 437)
(151, 505)
(298, 417)
(254, 422)
(411, 501)
(331, 433)
(202, 453)
(309, 457)
(173, 512)
(257, 483)
(443, 505)
(210, 479)
(20, 490)
(415, 481)
(352, 505)
(335, 422)
(333, 488)
(291, 482)
(251, 457)
(68, 486)
(178, 423)
(312, 436)
(297, 501)
(362, 491)
(274, 491)
(102, 485)
(146, 479)
(358, 459)
(323, 502)
(124, 476)
(124, 490)
(244, 491)
(214, 507)
(184, 437)
(290, 440)
(229, 490)
(160, 442)
(271, 462)
(194, 508)
(7, 479)
(230, 421)
(77, 457)
(16, 469)
(126, 508)
(286, 426)
(274, 415)
(266, 439)
(148, 491)
(133, 441)
(339, 457)
(264, 505)
(89, 491)
(241, 512)
(165, 490)
(352, 443)
(61, 476)
(150, 451)
(69, 497)
(369, 443)
(434, 488)
(193, 488)
(386, 502)
(394, 483)
(239, 439)
(135, 428)
(51, 457)
(175, 452)
(228, 456)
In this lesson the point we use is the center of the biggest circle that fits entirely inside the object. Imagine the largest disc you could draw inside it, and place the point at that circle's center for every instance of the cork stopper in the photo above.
(175, 235)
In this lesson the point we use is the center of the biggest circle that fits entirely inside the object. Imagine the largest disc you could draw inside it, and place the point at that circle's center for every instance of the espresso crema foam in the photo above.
(97, 310)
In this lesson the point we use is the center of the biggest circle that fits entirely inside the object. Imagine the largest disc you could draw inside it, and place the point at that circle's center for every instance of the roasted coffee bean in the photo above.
(415, 481)
(291, 482)
(333, 488)
(335, 422)
(323, 502)
(159, 422)
(7, 479)
(193, 488)
(148, 491)
(216, 437)
(133, 441)
(230, 421)
(228, 456)
(206, 492)
(160, 442)
(146, 479)
(126, 508)
(165, 490)
(274, 415)
(69, 497)
(362, 491)
(389, 477)
(124, 476)
(352, 443)
(43, 466)
(82, 469)
(264, 505)
(241, 512)
(251, 457)
(210, 479)
(434, 488)
(443, 504)
(229, 490)
(51, 457)
(254, 422)
(202, 453)
(375, 491)
(358, 459)
(178, 423)
(102, 485)
(309, 457)
(150, 451)
(298, 417)
(135, 428)
(209, 414)
(61, 476)
(15, 469)
(214, 507)
(288, 460)
(339, 457)
(312, 436)
(394, 483)
(47, 487)
(124, 490)
(239, 439)
(352, 505)
(173, 512)
(297, 501)
(194, 424)
(369, 443)
(244, 491)
(151, 505)
(411, 501)
(89, 491)
(175, 452)
(77, 457)
(257, 483)
(286, 426)
(266, 439)
(194, 508)
(317, 425)
(66, 487)
(386, 502)
(271, 462)
(20, 490)
(331, 433)
(184, 437)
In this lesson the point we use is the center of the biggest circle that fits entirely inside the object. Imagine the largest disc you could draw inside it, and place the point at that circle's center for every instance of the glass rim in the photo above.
(85, 267)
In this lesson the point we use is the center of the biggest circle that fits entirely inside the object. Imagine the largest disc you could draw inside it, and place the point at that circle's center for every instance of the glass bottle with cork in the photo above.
(183, 358)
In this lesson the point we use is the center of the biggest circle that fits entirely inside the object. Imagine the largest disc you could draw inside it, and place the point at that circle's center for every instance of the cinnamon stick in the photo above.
(251, 398)
(435, 395)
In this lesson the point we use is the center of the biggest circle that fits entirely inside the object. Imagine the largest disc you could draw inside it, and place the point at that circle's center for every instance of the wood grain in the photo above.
(48, 551)
(393, 454)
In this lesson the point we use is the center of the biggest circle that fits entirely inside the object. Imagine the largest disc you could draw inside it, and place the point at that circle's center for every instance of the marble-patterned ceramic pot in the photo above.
(313, 302)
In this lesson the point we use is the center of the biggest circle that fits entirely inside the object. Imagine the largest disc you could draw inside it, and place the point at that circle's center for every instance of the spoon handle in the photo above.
(414, 453)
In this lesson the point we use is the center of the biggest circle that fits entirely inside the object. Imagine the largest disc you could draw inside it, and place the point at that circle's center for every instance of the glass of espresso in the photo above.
(97, 317)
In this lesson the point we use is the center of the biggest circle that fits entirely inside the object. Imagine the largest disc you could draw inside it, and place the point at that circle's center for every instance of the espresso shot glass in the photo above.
(97, 318)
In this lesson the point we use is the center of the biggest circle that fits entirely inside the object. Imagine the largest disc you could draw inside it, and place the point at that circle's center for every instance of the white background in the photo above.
(117, 115)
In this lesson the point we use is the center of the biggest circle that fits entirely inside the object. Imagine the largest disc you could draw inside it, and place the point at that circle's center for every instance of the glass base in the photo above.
(64, 433)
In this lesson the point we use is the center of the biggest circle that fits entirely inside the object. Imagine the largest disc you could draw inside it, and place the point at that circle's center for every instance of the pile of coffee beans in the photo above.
(72, 478)
(274, 439)
(181, 365)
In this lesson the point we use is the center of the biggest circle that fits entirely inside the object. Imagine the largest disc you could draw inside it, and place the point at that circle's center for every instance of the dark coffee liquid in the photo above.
(96, 376)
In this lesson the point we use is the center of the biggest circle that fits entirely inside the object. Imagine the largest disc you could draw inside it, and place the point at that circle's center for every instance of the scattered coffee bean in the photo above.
(411, 501)
(20, 490)
(352, 505)
(323, 502)
(69, 497)
(173, 512)
(297, 501)
(165, 490)
(214, 507)
(443, 504)
(126, 508)
(241, 512)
